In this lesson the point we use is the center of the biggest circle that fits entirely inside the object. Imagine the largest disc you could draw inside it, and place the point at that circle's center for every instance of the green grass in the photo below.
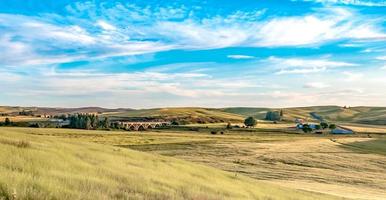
(58, 164)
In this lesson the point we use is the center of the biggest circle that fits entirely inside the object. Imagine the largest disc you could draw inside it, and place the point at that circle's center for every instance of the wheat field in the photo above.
(66, 164)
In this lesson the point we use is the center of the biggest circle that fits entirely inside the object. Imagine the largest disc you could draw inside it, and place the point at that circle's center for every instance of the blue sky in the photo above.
(213, 53)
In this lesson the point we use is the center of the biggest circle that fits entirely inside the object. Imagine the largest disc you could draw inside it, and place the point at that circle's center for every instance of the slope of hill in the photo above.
(188, 115)
(365, 115)
(45, 167)
(57, 111)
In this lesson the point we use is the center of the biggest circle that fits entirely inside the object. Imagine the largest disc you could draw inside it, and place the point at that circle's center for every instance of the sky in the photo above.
(209, 53)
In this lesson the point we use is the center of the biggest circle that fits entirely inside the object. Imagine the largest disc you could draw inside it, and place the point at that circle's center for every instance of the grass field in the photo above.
(72, 164)
(345, 166)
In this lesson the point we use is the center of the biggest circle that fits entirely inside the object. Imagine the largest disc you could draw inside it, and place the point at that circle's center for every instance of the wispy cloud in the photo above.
(316, 85)
(304, 65)
(352, 76)
(378, 3)
(240, 57)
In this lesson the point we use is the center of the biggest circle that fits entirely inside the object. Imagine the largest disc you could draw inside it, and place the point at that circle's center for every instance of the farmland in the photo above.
(68, 164)
(336, 166)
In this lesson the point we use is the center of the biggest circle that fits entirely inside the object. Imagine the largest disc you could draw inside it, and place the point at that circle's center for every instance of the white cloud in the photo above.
(381, 58)
(240, 57)
(106, 26)
(351, 76)
(304, 66)
(316, 85)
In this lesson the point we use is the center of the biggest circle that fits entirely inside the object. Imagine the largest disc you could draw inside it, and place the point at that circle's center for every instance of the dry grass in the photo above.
(313, 163)
(22, 119)
(361, 128)
(60, 164)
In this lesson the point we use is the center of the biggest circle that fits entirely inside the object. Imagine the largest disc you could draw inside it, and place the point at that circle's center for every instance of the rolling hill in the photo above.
(362, 115)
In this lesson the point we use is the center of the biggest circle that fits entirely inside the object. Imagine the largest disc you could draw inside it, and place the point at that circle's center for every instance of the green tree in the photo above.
(306, 128)
(318, 127)
(332, 126)
(250, 121)
(324, 125)
(273, 116)
(106, 122)
(87, 124)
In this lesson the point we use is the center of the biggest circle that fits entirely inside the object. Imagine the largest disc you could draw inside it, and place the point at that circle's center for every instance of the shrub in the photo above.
(213, 132)
(175, 123)
(7, 122)
(229, 125)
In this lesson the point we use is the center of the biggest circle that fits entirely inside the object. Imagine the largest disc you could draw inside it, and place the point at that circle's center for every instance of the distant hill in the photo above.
(186, 115)
(57, 111)
(363, 115)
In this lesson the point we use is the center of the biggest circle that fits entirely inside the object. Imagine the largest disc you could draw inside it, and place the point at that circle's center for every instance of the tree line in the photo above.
(88, 121)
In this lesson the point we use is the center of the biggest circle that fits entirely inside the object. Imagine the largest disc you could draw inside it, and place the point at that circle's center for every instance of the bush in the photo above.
(7, 122)
(213, 132)
(175, 123)
(229, 125)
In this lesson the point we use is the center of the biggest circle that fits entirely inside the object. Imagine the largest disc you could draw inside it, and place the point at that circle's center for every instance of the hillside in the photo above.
(36, 166)
(363, 115)
(187, 115)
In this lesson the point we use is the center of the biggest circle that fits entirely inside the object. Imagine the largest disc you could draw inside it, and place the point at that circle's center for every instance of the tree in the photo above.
(324, 125)
(106, 123)
(332, 126)
(273, 116)
(318, 127)
(306, 128)
(281, 113)
(7, 121)
(87, 123)
(250, 121)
